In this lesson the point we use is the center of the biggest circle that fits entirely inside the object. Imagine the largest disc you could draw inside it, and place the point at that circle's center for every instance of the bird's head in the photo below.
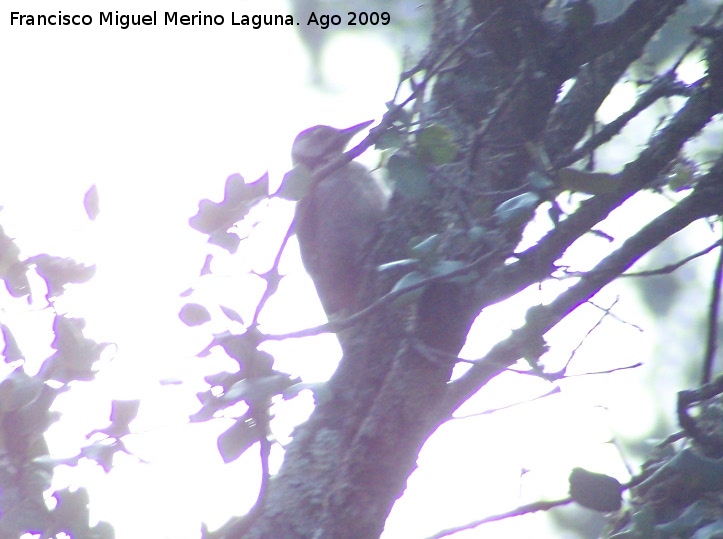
(319, 144)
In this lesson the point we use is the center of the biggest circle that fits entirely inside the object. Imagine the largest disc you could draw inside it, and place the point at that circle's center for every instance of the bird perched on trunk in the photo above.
(337, 218)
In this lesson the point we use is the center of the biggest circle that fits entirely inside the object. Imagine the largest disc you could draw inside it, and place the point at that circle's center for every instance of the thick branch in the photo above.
(541, 319)
(575, 112)
(639, 17)
(537, 262)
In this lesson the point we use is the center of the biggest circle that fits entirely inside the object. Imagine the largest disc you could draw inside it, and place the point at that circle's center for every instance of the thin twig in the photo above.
(339, 325)
(268, 292)
(561, 374)
(713, 317)
(616, 317)
(607, 371)
(664, 270)
(606, 312)
(521, 510)
(554, 391)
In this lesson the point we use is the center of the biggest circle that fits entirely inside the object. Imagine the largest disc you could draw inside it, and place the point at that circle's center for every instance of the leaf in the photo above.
(207, 411)
(479, 234)
(186, 293)
(215, 218)
(257, 390)
(704, 472)
(30, 417)
(642, 524)
(538, 156)
(226, 240)
(91, 202)
(71, 511)
(683, 175)
(57, 272)
(11, 350)
(122, 413)
(102, 530)
(711, 531)
(238, 388)
(75, 354)
(695, 516)
(397, 115)
(193, 314)
(206, 269)
(517, 211)
(539, 182)
(102, 453)
(426, 250)
(231, 314)
(404, 263)
(409, 176)
(223, 379)
(19, 390)
(16, 281)
(320, 390)
(409, 280)
(595, 491)
(233, 442)
(390, 138)
(436, 145)
(296, 184)
(239, 347)
(12, 270)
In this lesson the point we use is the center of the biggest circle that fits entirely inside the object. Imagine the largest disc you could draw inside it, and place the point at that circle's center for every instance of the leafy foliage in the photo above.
(26, 469)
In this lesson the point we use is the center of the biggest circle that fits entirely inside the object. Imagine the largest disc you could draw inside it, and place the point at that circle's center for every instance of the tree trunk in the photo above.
(499, 69)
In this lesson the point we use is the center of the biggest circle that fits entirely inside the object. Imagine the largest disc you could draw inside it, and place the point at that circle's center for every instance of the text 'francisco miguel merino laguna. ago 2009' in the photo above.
(168, 18)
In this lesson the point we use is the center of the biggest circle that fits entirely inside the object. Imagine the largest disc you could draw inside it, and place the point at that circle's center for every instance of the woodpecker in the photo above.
(337, 218)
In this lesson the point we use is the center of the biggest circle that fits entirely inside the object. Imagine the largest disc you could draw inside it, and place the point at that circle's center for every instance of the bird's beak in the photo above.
(354, 129)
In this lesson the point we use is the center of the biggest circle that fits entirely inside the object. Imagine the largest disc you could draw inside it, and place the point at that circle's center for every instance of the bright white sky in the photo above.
(157, 118)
